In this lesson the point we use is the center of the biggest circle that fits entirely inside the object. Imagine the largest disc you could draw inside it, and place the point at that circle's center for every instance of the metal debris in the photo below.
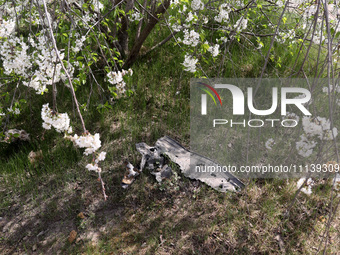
(164, 173)
(130, 175)
(152, 158)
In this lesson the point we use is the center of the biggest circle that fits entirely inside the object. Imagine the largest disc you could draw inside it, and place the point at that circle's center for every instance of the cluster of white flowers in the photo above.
(49, 68)
(7, 10)
(223, 39)
(98, 6)
(269, 143)
(190, 17)
(116, 78)
(223, 15)
(197, 5)
(309, 184)
(214, 50)
(88, 141)
(310, 10)
(305, 146)
(101, 157)
(190, 64)
(14, 56)
(332, 88)
(16, 111)
(175, 23)
(319, 127)
(94, 166)
(60, 121)
(279, 3)
(303, 96)
(43, 60)
(6, 28)
(79, 44)
(319, 37)
(36, 61)
(176, 27)
(191, 38)
(241, 24)
(135, 16)
(205, 19)
(284, 36)
(291, 116)
(174, 2)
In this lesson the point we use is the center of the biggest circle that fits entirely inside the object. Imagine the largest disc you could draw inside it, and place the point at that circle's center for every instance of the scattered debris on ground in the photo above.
(130, 175)
(35, 157)
(154, 159)
(14, 135)
(72, 237)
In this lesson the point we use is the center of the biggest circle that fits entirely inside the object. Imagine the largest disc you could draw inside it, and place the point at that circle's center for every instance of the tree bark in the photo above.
(123, 37)
(145, 33)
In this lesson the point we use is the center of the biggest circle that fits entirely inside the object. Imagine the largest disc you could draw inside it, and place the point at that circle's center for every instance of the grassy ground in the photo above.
(39, 204)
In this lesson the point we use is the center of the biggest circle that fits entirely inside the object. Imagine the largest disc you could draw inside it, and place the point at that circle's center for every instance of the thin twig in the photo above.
(62, 65)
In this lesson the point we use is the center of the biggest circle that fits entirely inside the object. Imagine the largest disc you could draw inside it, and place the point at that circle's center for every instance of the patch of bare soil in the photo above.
(41, 223)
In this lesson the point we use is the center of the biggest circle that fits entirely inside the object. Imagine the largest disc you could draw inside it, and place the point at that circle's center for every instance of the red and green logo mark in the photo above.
(209, 93)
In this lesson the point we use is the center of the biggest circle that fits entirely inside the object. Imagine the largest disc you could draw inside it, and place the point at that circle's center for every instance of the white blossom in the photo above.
(60, 121)
(332, 88)
(305, 147)
(214, 50)
(197, 5)
(6, 27)
(16, 111)
(176, 27)
(190, 64)
(13, 53)
(291, 116)
(94, 167)
(319, 127)
(224, 39)
(241, 24)
(90, 142)
(135, 16)
(79, 44)
(190, 17)
(223, 15)
(279, 3)
(98, 6)
(191, 38)
(116, 78)
(101, 156)
(309, 184)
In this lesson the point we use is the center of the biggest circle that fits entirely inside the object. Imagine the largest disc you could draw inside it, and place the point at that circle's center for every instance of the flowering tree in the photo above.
(46, 44)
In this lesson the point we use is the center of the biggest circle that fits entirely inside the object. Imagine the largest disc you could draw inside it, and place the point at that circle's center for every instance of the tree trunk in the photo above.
(123, 37)
(145, 33)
